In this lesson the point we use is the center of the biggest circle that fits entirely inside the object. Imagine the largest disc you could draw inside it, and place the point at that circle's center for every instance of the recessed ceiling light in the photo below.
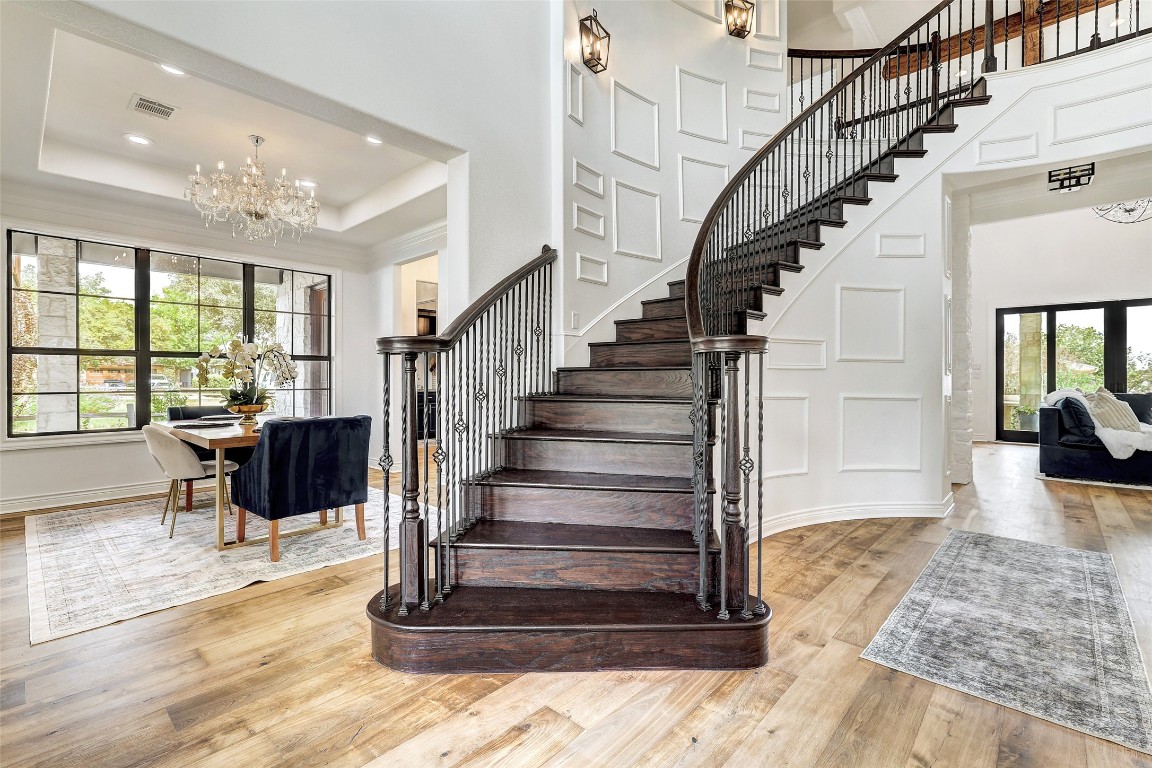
(176, 71)
(306, 182)
(136, 138)
(1118, 23)
(961, 74)
(373, 140)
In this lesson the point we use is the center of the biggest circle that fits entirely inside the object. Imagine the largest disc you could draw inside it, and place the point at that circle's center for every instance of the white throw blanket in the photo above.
(1120, 442)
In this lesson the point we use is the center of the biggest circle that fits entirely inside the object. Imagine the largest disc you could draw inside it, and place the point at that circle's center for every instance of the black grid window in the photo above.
(105, 337)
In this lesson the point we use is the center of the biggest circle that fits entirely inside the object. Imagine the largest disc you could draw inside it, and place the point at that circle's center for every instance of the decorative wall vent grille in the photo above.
(151, 107)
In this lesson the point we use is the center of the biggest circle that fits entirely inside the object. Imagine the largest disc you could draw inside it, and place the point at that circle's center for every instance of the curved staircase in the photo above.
(600, 517)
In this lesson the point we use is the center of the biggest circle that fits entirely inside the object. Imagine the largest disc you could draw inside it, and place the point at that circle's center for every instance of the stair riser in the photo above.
(493, 651)
(658, 354)
(664, 308)
(653, 330)
(580, 506)
(676, 288)
(575, 569)
(654, 417)
(632, 458)
(670, 383)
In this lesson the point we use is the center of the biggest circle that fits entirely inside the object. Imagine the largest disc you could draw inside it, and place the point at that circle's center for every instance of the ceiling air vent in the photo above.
(151, 107)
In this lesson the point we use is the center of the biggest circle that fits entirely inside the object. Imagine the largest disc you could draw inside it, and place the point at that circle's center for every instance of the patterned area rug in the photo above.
(1038, 628)
(96, 566)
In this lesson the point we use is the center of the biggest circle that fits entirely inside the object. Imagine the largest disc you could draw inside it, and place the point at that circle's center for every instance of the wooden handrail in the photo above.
(696, 332)
(452, 334)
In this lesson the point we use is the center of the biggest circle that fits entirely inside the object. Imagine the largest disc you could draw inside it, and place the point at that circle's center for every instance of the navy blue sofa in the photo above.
(1070, 448)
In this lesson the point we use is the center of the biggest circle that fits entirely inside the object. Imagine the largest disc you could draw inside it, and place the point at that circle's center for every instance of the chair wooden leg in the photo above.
(323, 517)
(361, 533)
(168, 500)
(241, 514)
(274, 540)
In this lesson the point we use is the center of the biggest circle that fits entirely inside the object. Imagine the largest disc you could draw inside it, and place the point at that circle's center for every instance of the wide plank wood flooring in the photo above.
(280, 674)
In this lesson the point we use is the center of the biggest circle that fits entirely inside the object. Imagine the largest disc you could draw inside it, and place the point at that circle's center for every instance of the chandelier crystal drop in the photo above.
(1126, 213)
(254, 206)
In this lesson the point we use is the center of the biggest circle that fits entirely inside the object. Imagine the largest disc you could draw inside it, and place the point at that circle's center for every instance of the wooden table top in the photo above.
(208, 435)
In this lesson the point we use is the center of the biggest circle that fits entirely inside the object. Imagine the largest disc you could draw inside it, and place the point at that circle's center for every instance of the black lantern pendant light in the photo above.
(738, 13)
(594, 40)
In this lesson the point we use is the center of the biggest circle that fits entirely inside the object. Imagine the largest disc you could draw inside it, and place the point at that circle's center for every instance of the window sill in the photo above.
(64, 441)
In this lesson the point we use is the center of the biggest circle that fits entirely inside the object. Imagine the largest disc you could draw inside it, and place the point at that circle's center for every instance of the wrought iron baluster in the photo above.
(424, 604)
(386, 467)
(760, 608)
(746, 467)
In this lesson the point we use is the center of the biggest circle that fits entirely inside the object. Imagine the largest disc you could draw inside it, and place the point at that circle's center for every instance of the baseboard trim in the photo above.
(11, 506)
(865, 511)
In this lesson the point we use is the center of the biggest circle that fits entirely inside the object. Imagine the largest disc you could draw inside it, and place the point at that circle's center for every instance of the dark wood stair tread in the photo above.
(533, 433)
(469, 608)
(620, 368)
(514, 534)
(547, 478)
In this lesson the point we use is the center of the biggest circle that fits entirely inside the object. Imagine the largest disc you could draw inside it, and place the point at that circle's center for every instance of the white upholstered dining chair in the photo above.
(180, 464)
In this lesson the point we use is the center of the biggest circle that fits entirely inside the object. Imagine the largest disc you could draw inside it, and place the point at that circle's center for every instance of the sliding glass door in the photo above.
(1041, 349)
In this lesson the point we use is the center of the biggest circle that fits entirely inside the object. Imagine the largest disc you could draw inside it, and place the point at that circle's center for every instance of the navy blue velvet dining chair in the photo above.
(301, 466)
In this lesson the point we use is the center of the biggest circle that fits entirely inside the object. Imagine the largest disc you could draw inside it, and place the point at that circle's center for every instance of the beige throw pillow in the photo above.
(1112, 413)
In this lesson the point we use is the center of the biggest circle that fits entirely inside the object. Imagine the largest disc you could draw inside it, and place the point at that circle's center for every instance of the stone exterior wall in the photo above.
(960, 451)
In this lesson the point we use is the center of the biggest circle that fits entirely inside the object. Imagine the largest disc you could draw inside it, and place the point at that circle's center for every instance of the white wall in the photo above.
(858, 382)
(1058, 258)
(684, 75)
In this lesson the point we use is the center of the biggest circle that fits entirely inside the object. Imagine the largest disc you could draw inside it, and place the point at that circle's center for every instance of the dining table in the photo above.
(218, 435)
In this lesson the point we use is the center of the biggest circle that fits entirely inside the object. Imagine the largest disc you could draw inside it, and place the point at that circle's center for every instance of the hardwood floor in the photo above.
(280, 674)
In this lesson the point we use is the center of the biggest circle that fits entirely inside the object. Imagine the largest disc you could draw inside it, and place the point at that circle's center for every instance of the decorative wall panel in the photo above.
(786, 453)
(797, 353)
(880, 433)
(899, 246)
(713, 10)
(761, 101)
(635, 221)
(1007, 150)
(587, 179)
(635, 127)
(701, 106)
(1099, 116)
(753, 140)
(770, 60)
(766, 20)
(700, 183)
(870, 323)
(587, 221)
(575, 93)
(591, 270)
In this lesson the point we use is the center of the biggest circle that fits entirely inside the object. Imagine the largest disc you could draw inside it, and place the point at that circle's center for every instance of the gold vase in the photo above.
(249, 413)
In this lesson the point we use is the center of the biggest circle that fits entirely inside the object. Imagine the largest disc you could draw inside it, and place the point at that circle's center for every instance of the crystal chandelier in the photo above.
(1126, 213)
(255, 207)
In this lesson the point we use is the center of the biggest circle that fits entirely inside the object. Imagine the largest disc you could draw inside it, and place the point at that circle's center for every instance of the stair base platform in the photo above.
(502, 629)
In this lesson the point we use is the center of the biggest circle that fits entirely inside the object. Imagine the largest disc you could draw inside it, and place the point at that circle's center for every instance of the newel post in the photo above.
(735, 545)
(990, 36)
(413, 584)
(934, 66)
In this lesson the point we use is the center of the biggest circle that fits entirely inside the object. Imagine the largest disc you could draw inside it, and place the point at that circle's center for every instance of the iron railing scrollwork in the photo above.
(851, 114)
(458, 394)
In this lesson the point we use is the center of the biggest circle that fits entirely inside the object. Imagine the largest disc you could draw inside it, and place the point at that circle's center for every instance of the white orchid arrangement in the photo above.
(247, 364)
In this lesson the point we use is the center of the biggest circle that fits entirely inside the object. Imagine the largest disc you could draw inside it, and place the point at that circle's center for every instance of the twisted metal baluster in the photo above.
(385, 464)
(760, 609)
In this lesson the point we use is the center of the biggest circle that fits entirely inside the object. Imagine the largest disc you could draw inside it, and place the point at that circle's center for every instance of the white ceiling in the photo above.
(368, 193)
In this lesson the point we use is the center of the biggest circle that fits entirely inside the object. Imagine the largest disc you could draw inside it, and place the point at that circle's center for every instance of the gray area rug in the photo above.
(95, 566)
(1038, 628)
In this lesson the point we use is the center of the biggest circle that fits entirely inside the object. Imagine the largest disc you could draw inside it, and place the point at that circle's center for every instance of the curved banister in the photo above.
(696, 331)
(455, 331)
